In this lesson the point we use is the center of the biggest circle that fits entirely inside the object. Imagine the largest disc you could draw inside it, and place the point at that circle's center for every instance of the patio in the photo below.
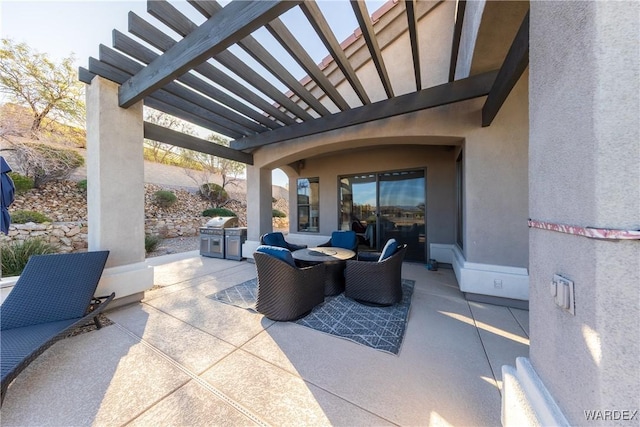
(180, 358)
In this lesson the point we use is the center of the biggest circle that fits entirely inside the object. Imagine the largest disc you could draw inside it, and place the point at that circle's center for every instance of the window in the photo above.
(308, 204)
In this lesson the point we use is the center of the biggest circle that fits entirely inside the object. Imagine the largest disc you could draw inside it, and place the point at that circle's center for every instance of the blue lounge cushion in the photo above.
(275, 239)
(344, 239)
(282, 254)
(389, 249)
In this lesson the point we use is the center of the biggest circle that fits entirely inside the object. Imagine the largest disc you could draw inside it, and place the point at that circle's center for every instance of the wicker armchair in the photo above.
(343, 239)
(277, 239)
(286, 292)
(375, 283)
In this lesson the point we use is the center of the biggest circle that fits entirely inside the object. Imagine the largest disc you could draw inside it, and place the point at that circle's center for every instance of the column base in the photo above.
(126, 280)
(525, 399)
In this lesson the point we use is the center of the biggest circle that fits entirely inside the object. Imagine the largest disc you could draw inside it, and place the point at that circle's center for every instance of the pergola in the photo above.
(180, 80)
(578, 124)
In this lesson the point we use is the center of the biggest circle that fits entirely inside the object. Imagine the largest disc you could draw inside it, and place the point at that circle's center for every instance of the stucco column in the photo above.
(583, 159)
(259, 207)
(115, 184)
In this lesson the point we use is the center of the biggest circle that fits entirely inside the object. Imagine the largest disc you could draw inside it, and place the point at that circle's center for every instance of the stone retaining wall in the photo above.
(72, 236)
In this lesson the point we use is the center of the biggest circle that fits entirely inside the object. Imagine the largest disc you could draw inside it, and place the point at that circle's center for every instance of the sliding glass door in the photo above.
(384, 205)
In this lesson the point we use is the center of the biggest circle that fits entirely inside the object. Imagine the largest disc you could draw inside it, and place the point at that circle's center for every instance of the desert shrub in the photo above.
(44, 163)
(21, 182)
(16, 254)
(164, 199)
(215, 194)
(151, 242)
(82, 185)
(22, 217)
(218, 212)
(278, 214)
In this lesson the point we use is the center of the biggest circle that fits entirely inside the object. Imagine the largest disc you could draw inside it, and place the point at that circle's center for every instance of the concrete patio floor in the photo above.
(180, 358)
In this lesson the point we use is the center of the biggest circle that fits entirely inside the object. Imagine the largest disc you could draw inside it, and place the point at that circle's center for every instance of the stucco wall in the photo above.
(495, 157)
(496, 180)
(584, 151)
(439, 162)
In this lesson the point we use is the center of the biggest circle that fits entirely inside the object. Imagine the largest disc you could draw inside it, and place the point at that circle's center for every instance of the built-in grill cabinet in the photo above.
(212, 238)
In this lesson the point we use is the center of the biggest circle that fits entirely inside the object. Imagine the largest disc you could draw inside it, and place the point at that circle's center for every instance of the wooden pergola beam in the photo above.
(222, 115)
(322, 28)
(208, 8)
(168, 136)
(174, 19)
(150, 34)
(447, 93)
(127, 45)
(514, 64)
(362, 15)
(412, 21)
(234, 22)
(288, 41)
(457, 34)
(181, 107)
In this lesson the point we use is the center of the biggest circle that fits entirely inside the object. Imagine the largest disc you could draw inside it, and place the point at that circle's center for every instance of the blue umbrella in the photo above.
(7, 191)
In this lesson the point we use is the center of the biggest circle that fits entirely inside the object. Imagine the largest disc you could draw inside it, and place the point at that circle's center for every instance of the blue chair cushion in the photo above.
(344, 239)
(282, 254)
(389, 249)
(275, 239)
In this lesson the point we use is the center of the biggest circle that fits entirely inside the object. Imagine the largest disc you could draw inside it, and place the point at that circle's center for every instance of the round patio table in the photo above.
(335, 260)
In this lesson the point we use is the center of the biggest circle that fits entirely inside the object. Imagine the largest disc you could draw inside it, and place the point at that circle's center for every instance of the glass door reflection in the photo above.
(380, 206)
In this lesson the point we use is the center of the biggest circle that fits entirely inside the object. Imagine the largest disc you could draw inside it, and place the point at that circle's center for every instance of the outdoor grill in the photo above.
(212, 239)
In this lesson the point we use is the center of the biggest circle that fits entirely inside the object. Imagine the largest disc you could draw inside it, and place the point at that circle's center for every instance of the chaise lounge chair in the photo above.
(53, 296)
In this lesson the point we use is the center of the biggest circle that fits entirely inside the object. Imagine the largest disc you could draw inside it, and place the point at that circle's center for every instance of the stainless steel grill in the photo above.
(212, 240)
(234, 238)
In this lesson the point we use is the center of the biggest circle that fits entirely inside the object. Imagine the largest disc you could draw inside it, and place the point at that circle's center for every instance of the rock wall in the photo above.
(65, 204)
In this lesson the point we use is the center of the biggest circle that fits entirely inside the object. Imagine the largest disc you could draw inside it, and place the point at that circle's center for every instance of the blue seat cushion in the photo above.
(344, 239)
(282, 254)
(275, 239)
(389, 249)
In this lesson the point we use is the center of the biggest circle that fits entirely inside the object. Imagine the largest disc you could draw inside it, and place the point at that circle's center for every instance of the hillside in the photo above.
(62, 201)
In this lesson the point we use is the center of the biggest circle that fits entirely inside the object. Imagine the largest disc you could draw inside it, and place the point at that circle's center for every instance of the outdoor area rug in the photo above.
(381, 328)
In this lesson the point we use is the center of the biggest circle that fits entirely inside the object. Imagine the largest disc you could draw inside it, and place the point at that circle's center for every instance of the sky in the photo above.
(62, 28)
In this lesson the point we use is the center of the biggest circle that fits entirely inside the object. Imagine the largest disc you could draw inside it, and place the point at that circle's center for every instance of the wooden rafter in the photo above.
(362, 15)
(412, 21)
(168, 136)
(457, 34)
(127, 45)
(322, 28)
(287, 40)
(237, 20)
(147, 32)
(222, 115)
(447, 93)
(514, 64)
(250, 45)
(179, 107)
(174, 19)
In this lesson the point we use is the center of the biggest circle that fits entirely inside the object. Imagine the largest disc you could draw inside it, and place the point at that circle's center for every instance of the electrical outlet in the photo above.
(562, 290)
(497, 283)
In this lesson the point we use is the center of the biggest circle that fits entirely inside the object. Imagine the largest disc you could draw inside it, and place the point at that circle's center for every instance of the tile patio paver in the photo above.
(180, 358)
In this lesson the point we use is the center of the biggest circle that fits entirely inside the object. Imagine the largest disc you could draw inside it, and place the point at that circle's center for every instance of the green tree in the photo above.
(51, 90)
(160, 152)
(229, 170)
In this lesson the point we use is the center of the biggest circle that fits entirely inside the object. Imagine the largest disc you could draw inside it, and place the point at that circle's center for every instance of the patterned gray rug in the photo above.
(381, 328)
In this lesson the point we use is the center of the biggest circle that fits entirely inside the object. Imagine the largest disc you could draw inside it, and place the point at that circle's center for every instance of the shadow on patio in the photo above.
(180, 358)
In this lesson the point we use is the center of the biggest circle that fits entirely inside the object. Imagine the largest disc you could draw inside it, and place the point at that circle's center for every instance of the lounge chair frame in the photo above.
(28, 326)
